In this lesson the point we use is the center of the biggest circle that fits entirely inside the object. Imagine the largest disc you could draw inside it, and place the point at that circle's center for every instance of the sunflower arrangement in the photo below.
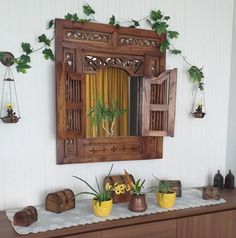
(118, 188)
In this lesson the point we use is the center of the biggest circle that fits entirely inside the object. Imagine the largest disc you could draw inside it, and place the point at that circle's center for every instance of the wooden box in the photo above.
(121, 192)
(175, 186)
(211, 193)
(25, 217)
(60, 201)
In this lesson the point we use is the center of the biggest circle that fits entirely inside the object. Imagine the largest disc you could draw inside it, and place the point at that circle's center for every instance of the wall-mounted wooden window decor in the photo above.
(83, 49)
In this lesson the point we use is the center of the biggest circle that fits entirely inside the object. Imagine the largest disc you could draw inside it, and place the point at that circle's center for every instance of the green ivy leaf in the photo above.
(22, 63)
(112, 20)
(165, 46)
(83, 20)
(156, 15)
(173, 34)
(48, 54)
(43, 38)
(26, 47)
(135, 24)
(50, 24)
(68, 16)
(160, 27)
(22, 68)
(117, 25)
(196, 74)
(24, 59)
(166, 18)
(175, 51)
(87, 9)
(75, 17)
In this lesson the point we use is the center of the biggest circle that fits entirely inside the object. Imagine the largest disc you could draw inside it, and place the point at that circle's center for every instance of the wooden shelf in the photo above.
(219, 219)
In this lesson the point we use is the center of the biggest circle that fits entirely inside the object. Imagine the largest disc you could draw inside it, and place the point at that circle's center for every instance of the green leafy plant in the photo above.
(159, 23)
(101, 193)
(162, 187)
(100, 114)
(136, 187)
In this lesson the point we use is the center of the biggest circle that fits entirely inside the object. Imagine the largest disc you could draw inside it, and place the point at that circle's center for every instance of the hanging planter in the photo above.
(199, 107)
(9, 111)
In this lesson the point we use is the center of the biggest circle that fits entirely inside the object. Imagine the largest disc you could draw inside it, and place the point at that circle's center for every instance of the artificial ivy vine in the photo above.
(156, 20)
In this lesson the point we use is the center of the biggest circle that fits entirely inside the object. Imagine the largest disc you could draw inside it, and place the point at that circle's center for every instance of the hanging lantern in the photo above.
(9, 111)
(199, 107)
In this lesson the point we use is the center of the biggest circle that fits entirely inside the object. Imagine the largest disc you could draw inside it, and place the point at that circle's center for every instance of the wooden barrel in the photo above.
(60, 201)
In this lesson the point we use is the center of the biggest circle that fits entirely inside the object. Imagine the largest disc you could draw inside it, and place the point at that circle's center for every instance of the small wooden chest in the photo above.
(121, 190)
(211, 193)
(60, 201)
(25, 217)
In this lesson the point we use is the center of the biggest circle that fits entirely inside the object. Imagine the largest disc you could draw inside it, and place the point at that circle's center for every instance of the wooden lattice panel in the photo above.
(159, 104)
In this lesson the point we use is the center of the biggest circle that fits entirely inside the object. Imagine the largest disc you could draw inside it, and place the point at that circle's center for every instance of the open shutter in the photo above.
(158, 108)
(70, 103)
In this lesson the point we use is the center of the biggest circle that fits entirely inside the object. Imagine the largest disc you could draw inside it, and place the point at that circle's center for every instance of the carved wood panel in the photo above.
(85, 48)
(133, 65)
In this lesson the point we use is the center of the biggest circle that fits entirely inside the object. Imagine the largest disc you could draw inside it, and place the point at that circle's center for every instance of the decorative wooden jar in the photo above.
(121, 189)
(60, 201)
(211, 193)
(175, 186)
(25, 217)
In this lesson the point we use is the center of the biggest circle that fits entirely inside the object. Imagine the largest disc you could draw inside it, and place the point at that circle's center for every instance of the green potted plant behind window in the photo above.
(102, 201)
(105, 115)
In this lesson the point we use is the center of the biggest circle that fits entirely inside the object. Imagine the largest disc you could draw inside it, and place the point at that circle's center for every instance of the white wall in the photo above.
(28, 169)
(231, 147)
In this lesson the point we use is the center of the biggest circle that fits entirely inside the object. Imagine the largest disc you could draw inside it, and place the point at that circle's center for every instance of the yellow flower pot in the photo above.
(102, 209)
(166, 200)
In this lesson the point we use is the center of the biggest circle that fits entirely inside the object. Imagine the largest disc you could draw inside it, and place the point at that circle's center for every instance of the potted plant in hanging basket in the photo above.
(137, 202)
(199, 111)
(102, 201)
(165, 196)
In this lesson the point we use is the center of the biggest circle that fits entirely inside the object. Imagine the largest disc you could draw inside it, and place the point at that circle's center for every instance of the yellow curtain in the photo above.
(108, 84)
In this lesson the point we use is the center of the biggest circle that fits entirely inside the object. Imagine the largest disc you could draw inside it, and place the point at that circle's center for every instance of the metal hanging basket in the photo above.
(199, 106)
(9, 111)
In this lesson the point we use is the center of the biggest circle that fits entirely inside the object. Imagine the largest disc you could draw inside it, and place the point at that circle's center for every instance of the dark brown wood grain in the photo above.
(203, 226)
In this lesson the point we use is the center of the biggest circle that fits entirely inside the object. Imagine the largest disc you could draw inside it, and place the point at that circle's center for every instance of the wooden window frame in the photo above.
(86, 47)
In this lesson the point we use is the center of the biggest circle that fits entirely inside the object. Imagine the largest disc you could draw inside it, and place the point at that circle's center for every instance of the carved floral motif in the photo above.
(143, 42)
(155, 67)
(70, 148)
(134, 66)
(79, 35)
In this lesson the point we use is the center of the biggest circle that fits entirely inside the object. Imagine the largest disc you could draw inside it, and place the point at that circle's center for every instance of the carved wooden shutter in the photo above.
(70, 103)
(158, 109)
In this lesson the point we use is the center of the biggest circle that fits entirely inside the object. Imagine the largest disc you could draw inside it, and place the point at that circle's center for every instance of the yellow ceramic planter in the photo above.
(102, 209)
(166, 200)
